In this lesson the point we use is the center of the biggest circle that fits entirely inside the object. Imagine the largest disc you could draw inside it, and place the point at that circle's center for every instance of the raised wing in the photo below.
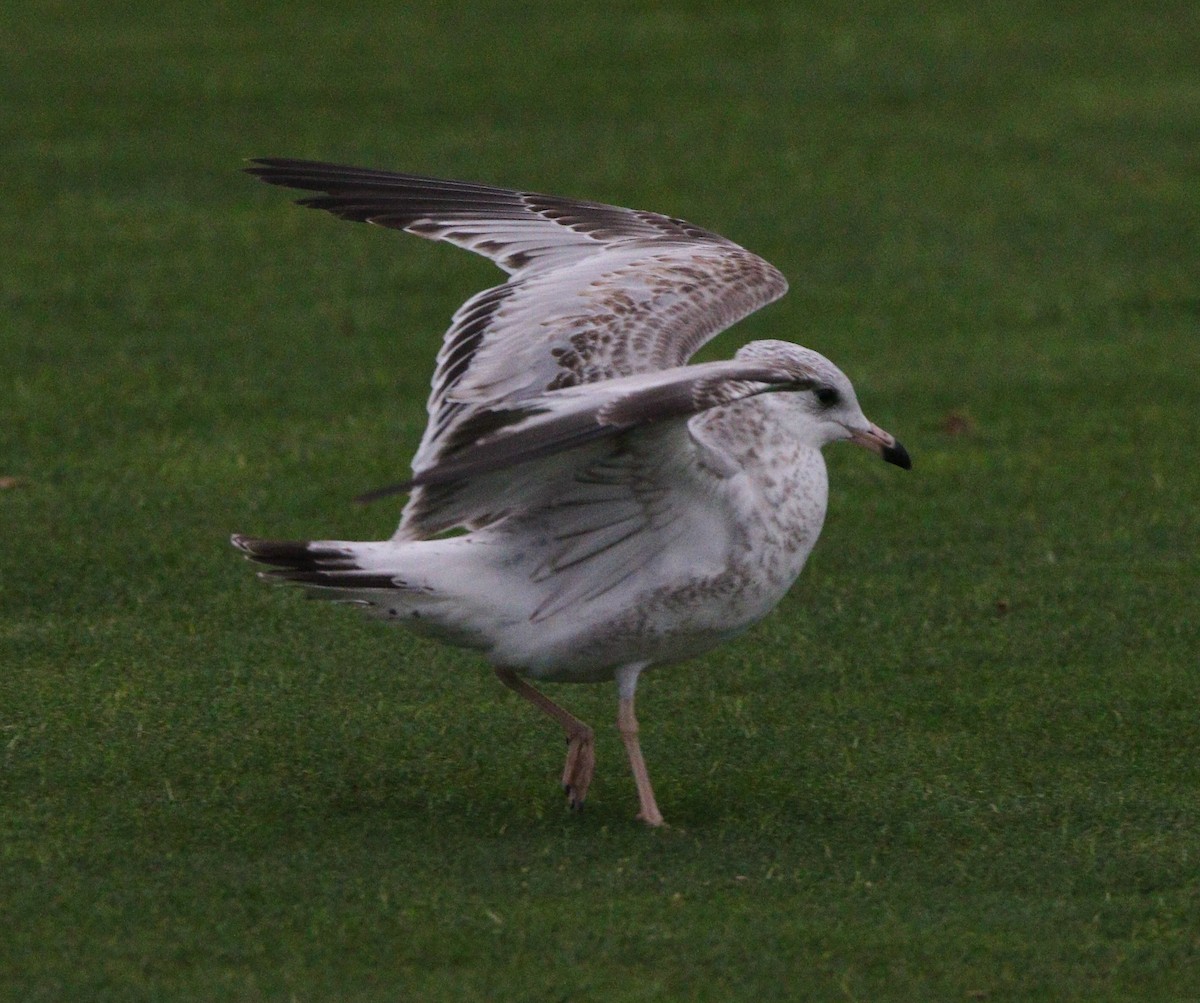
(609, 479)
(520, 231)
(596, 292)
(473, 487)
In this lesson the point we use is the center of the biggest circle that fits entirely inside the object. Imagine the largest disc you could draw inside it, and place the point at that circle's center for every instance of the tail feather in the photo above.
(368, 575)
(313, 563)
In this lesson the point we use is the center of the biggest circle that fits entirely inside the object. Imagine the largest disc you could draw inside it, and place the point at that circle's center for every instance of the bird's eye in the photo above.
(828, 396)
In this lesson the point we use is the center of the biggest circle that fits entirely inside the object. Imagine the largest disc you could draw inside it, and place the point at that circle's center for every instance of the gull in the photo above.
(584, 503)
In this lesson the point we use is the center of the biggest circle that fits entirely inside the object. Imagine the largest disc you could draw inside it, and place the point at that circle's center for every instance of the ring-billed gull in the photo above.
(584, 504)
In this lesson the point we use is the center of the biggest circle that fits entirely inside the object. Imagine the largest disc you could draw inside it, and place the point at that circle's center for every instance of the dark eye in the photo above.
(827, 396)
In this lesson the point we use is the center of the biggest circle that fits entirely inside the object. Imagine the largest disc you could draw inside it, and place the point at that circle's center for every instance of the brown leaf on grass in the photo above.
(957, 423)
(11, 482)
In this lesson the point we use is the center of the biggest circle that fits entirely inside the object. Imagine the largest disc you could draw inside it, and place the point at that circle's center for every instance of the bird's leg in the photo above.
(581, 740)
(628, 727)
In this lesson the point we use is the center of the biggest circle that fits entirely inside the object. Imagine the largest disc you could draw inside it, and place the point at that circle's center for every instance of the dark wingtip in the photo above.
(385, 492)
(274, 163)
(896, 454)
(258, 166)
(278, 171)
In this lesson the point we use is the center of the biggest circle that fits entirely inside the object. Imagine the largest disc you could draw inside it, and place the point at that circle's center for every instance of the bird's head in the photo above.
(828, 404)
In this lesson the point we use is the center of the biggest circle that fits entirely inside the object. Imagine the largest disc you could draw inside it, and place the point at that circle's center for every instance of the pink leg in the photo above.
(628, 727)
(581, 741)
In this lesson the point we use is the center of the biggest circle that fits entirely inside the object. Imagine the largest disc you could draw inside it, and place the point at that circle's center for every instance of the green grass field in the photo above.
(962, 760)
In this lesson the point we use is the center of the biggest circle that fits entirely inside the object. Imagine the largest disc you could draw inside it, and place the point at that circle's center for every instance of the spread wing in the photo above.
(595, 292)
(609, 475)
(561, 420)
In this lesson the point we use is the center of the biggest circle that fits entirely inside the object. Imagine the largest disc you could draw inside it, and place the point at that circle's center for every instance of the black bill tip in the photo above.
(898, 455)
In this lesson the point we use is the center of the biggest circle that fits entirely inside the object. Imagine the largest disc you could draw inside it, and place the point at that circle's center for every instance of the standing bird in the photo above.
(584, 504)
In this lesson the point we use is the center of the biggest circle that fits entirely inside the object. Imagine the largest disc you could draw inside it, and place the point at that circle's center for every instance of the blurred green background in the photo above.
(960, 762)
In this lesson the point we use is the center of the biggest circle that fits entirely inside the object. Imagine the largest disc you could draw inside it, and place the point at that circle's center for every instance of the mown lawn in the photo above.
(960, 762)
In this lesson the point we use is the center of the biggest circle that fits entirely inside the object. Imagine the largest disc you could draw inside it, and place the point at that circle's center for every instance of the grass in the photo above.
(959, 763)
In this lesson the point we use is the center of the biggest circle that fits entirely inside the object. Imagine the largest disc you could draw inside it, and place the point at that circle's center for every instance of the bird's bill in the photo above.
(884, 444)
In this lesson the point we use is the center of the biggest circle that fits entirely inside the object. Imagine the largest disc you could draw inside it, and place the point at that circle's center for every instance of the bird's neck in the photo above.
(786, 472)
